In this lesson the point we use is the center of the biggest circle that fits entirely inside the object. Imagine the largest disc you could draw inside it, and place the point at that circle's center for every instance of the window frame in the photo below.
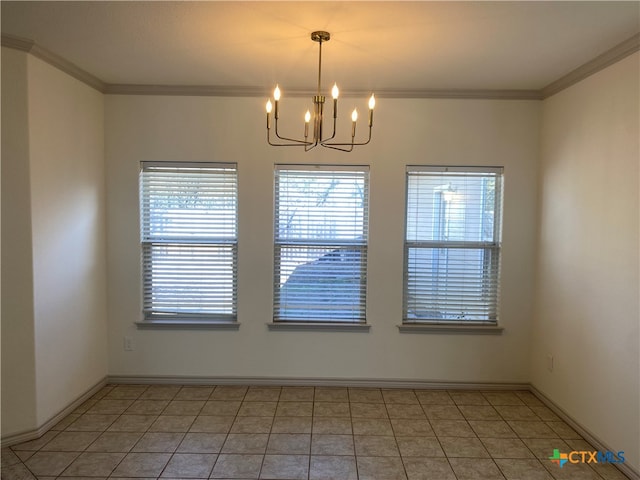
(151, 318)
(280, 322)
(438, 325)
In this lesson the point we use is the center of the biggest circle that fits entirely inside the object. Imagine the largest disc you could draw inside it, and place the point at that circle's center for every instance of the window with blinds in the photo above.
(321, 234)
(188, 225)
(452, 245)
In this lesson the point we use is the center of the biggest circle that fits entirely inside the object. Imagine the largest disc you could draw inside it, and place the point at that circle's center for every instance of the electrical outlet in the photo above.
(549, 362)
(128, 344)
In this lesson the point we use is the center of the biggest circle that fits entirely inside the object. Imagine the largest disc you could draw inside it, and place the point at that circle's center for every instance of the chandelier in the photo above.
(313, 133)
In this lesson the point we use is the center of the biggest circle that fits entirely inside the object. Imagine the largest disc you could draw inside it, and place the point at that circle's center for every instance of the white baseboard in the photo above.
(585, 433)
(27, 435)
(317, 382)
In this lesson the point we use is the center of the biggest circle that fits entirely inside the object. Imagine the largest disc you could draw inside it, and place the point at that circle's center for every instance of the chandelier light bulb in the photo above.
(354, 115)
(276, 93)
(335, 91)
(372, 102)
(307, 116)
(269, 106)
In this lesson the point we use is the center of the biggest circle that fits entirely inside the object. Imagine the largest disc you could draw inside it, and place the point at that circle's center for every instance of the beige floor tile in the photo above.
(468, 398)
(564, 431)
(17, 472)
(419, 447)
(114, 442)
(401, 410)
(50, 463)
(132, 423)
(194, 393)
(545, 413)
(71, 442)
(522, 469)
(158, 442)
(147, 407)
(92, 423)
(529, 398)
(142, 465)
(370, 426)
(212, 424)
(332, 445)
(526, 429)
(66, 422)
(126, 391)
(331, 394)
(380, 468)
(289, 443)
(368, 410)
(294, 409)
(9, 458)
(428, 469)
(543, 448)
(93, 464)
(502, 398)
(333, 468)
(184, 407)
(434, 397)
(376, 446)
(110, 406)
(516, 412)
(229, 392)
(285, 467)
(202, 443)
(402, 396)
(475, 469)
(252, 425)
(246, 443)
(172, 423)
(411, 427)
(221, 407)
(578, 471)
(457, 447)
(492, 428)
(190, 465)
(507, 448)
(365, 395)
(297, 394)
(160, 392)
(331, 409)
(258, 409)
(452, 428)
(296, 424)
(230, 466)
(263, 394)
(479, 412)
(442, 412)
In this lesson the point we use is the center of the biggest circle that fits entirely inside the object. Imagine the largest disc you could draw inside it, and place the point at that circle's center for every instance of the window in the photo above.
(188, 223)
(452, 245)
(321, 230)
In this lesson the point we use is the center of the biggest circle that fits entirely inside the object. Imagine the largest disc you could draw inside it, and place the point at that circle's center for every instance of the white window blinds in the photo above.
(452, 245)
(321, 232)
(188, 223)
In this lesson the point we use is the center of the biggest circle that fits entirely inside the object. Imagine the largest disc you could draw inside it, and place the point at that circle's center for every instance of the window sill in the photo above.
(318, 327)
(454, 329)
(186, 325)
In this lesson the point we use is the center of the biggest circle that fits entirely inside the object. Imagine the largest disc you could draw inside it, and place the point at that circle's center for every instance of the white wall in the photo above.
(456, 132)
(587, 313)
(18, 354)
(58, 272)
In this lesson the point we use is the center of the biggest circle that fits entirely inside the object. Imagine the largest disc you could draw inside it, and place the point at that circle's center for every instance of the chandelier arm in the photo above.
(298, 143)
(331, 145)
(287, 139)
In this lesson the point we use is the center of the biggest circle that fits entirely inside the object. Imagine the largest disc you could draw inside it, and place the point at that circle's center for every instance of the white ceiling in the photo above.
(373, 46)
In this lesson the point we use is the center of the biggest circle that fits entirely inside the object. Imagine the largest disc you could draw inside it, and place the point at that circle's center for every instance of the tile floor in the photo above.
(321, 433)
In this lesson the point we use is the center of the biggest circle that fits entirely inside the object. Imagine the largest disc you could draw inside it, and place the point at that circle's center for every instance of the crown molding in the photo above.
(53, 59)
(602, 61)
(617, 53)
